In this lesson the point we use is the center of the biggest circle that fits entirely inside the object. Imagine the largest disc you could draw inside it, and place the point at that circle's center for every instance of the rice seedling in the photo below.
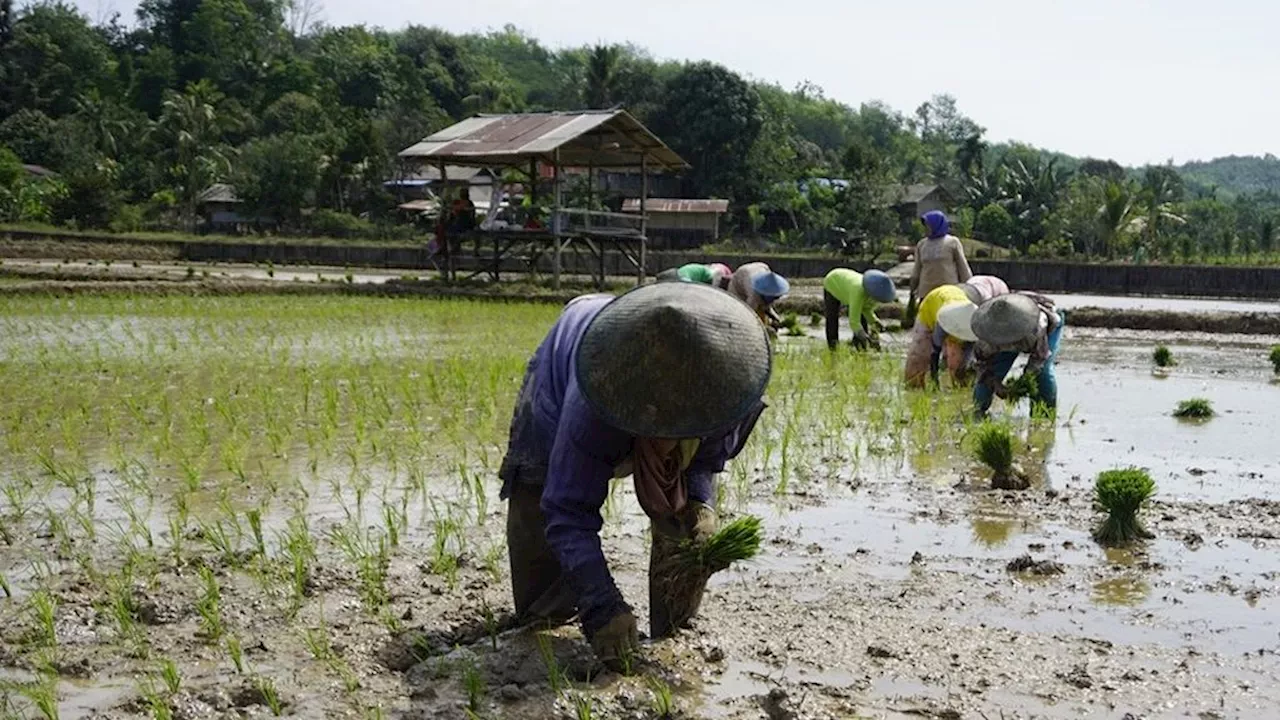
(473, 684)
(1162, 356)
(171, 676)
(209, 606)
(555, 674)
(815, 319)
(1194, 409)
(43, 694)
(992, 445)
(1122, 493)
(1024, 387)
(44, 610)
(1274, 358)
(236, 652)
(266, 687)
(662, 704)
(583, 707)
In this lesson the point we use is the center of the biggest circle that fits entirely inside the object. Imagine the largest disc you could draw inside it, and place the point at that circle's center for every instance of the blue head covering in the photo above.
(770, 286)
(937, 223)
(879, 286)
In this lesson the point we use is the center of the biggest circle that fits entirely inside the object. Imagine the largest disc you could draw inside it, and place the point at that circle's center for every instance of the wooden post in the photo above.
(445, 246)
(556, 228)
(644, 218)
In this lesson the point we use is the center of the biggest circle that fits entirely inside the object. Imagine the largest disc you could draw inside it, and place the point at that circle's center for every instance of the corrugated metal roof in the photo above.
(599, 138)
(218, 193)
(676, 205)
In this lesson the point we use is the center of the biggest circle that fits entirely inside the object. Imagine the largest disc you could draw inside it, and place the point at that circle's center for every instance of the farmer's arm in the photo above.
(581, 465)
(1039, 351)
(870, 321)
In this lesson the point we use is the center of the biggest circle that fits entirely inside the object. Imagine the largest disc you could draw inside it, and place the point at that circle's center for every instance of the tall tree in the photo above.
(602, 67)
(192, 138)
(1161, 188)
(712, 117)
(53, 57)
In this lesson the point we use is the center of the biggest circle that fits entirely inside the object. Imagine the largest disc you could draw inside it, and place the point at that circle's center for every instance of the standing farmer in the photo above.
(759, 287)
(860, 292)
(663, 383)
(940, 258)
(1007, 326)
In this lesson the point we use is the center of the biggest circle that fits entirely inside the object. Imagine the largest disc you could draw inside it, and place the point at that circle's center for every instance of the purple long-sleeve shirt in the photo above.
(559, 442)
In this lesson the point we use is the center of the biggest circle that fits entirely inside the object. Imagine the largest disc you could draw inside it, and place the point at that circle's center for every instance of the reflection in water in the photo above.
(990, 532)
(1125, 591)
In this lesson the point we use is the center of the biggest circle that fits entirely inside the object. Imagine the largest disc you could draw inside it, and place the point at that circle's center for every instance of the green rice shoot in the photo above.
(1194, 409)
(1163, 356)
(1274, 357)
(993, 447)
(1122, 493)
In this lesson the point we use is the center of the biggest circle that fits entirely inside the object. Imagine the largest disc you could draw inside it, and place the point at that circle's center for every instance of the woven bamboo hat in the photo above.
(1006, 319)
(674, 360)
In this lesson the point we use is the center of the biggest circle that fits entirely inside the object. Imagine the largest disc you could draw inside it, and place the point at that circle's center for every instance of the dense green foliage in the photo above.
(306, 120)
(1162, 356)
(1122, 494)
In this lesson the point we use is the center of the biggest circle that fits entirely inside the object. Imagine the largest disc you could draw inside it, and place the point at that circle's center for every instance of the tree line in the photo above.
(305, 121)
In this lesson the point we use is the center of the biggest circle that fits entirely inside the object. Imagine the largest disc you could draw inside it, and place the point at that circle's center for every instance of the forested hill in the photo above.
(1236, 174)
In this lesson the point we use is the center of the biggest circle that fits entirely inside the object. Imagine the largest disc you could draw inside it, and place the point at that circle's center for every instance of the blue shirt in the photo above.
(558, 441)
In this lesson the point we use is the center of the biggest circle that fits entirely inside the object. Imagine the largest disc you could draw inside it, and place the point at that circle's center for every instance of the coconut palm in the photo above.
(1161, 189)
(192, 135)
(1119, 215)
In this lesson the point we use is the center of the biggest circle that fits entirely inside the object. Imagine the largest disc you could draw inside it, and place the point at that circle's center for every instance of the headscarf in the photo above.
(658, 473)
(936, 222)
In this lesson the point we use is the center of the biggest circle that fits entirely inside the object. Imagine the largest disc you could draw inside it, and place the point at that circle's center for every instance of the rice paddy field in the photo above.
(262, 506)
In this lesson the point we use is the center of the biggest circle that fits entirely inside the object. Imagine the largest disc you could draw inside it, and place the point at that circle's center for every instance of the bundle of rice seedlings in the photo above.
(1274, 357)
(1122, 494)
(1026, 386)
(993, 447)
(679, 571)
(735, 542)
(1194, 409)
(1163, 356)
(791, 323)
(815, 319)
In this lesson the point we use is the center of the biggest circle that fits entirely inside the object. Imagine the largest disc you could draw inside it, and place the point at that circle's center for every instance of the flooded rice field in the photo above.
(248, 507)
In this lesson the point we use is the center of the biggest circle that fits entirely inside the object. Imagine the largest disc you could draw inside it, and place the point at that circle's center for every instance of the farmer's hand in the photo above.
(860, 340)
(703, 521)
(1002, 391)
(617, 641)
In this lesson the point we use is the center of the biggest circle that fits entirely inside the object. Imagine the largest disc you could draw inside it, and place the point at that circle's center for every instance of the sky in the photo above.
(1137, 81)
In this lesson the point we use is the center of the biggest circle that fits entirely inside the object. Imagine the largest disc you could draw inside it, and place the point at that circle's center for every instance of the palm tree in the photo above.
(189, 122)
(602, 67)
(1161, 188)
(1118, 215)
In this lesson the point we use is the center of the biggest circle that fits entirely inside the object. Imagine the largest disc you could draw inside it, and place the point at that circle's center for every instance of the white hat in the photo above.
(956, 319)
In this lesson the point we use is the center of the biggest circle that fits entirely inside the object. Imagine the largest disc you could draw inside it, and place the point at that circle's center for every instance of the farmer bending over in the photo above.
(1007, 326)
(943, 329)
(714, 274)
(759, 287)
(663, 383)
(860, 293)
